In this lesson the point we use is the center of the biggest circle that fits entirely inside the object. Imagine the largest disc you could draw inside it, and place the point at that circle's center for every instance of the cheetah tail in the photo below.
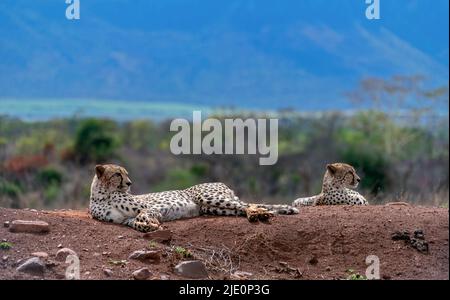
(279, 208)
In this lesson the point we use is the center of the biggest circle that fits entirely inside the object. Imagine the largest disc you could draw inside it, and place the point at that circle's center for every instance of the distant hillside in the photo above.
(238, 52)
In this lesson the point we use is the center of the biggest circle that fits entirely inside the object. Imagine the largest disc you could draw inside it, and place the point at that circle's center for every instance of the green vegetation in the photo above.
(95, 140)
(183, 252)
(400, 152)
(152, 244)
(5, 246)
(352, 275)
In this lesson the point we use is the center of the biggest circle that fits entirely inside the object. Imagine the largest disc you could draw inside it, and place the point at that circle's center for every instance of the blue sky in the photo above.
(252, 53)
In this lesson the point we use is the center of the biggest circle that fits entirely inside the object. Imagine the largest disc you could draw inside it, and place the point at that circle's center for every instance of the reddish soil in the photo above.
(319, 243)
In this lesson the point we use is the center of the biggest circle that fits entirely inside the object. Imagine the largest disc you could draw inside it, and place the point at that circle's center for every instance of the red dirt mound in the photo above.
(319, 243)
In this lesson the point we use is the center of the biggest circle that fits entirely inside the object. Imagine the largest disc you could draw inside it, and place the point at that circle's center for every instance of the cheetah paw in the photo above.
(255, 214)
(151, 225)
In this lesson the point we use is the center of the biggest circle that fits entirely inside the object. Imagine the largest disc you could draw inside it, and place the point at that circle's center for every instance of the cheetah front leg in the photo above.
(147, 220)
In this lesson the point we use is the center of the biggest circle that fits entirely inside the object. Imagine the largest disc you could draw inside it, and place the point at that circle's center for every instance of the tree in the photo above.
(95, 141)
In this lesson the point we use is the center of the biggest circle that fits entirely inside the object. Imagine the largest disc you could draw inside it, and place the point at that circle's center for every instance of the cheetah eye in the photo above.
(117, 174)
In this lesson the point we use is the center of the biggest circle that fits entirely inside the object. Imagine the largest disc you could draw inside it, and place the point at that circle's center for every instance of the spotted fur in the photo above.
(338, 182)
(112, 201)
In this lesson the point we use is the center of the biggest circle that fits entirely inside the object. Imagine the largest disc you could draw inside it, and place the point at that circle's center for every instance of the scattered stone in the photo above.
(164, 277)
(142, 255)
(6, 224)
(328, 269)
(241, 275)
(33, 210)
(5, 258)
(159, 236)
(418, 234)
(142, 274)
(313, 260)
(62, 254)
(86, 250)
(43, 255)
(32, 266)
(51, 263)
(120, 237)
(418, 241)
(108, 272)
(106, 253)
(192, 269)
(29, 226)
(401, 236)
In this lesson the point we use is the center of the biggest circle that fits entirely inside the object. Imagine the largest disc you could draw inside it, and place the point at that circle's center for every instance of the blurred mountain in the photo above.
(247, 53)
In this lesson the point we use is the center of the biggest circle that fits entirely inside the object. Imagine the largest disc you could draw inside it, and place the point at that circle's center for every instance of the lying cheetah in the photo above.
(111, 201)
(338, 181)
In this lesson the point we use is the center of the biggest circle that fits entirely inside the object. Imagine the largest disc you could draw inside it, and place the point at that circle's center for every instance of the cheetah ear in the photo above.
(331, 168)
(99, 170)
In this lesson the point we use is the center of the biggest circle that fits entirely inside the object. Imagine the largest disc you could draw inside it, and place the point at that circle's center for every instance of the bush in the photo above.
(49, 176)
(95, 141)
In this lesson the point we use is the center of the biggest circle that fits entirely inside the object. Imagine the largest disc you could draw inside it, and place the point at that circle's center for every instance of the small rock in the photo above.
(43, 255)
(313, 260)
(32, 266)
(418, 234)
(164, 277)
(120, 237)
(159, 236)
(5, 258)
(86, 250)
(29, 226)
(401, 236)
(241, 275)
(4, 240)
(328, 269)
(142, 274)
(59, 246)
(6, 224)
(106, 253)
(62, 254)
(33, 210)
(108, 272)
(191, 269)
(146, 255)
(51, 264)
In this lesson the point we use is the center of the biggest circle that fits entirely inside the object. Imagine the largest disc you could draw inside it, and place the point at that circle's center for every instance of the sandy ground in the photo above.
(319, 243)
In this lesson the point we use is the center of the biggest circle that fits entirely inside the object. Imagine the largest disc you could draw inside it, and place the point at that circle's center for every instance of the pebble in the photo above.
(108, 272)
(159, 236)
(145, 255)
(142, 274)
(192, 269)
(29, 226)
(32, 266)
(43, 255)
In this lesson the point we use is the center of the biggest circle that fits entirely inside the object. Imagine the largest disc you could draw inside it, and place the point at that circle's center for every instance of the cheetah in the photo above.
(111, 201)
(338, 182)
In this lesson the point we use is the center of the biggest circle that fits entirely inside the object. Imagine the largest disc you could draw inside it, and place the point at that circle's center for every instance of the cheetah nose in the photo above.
(359, 179)
(129, 183)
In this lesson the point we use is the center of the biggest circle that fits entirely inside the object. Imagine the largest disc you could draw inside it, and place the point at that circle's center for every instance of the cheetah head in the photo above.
(342, 175)
(113, 178)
